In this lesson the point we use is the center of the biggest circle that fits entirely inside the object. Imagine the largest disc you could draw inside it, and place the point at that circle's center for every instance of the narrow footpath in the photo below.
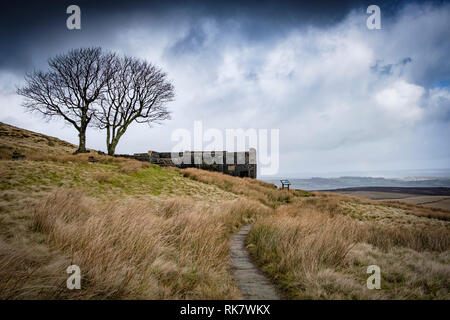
(253, 283)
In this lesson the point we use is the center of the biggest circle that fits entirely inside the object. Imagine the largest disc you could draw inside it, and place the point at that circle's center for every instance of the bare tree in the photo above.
(70, 87)
(138, 92)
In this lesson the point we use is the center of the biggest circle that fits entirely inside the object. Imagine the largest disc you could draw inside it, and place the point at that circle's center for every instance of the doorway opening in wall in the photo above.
(243, 174)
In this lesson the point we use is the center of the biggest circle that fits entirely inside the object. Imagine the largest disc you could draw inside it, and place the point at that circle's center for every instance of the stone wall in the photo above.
(239, 164)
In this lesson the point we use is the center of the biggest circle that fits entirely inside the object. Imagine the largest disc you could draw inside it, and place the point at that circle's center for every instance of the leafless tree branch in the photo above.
(137, 92)
(69, 89)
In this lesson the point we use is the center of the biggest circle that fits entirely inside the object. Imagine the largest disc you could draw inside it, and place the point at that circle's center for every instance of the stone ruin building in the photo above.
(238, 164)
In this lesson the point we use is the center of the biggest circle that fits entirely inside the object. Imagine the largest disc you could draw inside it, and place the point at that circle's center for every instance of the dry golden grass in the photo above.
(430, 201)
(436, 202)
(254, 189)
(314, 250)
(146, 232)
(32, 272)
(34, 267)
(420, 211)
(125, 165)
(174, 249)
(128, 166)
(30, 143)
(102, 177)
(417, 210)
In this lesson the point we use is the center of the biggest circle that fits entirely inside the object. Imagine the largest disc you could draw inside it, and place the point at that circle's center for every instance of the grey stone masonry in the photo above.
(239, 164)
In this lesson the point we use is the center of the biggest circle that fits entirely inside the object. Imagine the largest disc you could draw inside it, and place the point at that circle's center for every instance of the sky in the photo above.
(343, 97)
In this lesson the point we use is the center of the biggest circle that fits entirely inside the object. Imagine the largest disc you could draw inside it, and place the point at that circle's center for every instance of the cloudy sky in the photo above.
(345, 98)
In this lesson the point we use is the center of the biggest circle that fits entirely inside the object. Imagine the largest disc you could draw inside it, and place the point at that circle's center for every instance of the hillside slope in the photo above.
(154, 233)
(141, 231)
(29, 142)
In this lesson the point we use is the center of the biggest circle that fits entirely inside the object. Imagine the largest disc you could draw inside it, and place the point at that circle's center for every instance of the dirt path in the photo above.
(253, 284)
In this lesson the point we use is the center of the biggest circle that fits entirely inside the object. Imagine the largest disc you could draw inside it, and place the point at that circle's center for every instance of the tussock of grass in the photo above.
(420, 211)
(416, 210)
(128, 166)
(432, 238)
(102, 177)
(31, 272)
(175, 249)
(254, 189)
(308, 248)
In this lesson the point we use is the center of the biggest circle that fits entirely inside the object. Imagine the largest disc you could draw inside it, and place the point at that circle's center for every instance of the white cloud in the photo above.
(401, 101)
(318, 86)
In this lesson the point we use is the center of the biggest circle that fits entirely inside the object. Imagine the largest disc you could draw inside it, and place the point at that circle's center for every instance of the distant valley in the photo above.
(317, 183)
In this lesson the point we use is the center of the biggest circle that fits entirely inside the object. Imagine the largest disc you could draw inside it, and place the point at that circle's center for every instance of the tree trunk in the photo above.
(114, 141)
(82, 132)
(82, 142)
(112, 147)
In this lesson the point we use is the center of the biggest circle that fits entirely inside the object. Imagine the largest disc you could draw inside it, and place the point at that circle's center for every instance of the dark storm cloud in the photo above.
(193, 41)
(343, 96)
(388, 69)
(30, 31)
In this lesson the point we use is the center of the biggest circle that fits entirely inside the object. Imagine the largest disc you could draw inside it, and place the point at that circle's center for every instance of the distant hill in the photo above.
(355, 182)
(436, 191)
(29, 142)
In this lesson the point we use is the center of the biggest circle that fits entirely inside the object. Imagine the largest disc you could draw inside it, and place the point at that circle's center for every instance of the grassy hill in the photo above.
(141, 231)
(30, 143)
